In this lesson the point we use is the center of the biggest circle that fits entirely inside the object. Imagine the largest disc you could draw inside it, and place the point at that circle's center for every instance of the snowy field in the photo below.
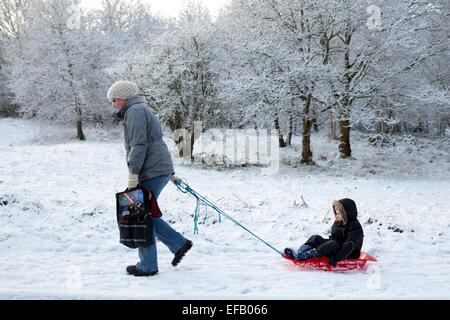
(59, 237)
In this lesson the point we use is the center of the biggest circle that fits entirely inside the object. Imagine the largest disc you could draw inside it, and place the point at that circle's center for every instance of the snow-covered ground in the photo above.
(59, 237)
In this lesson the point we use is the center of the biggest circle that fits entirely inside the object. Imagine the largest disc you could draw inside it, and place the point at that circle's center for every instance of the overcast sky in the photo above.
(168, 8)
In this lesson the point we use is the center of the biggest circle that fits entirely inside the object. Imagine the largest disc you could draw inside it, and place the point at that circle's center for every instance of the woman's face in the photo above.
(118, 103)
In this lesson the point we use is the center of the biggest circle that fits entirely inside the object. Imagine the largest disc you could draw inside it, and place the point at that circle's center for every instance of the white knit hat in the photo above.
(122, 90)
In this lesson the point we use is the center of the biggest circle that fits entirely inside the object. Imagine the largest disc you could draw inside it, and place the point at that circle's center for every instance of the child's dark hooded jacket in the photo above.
(348, 233)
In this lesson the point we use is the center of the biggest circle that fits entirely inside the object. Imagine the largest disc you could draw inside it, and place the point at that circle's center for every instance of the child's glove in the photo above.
(332, 262)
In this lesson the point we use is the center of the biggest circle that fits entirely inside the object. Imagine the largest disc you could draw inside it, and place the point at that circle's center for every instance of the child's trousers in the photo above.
(324, 247)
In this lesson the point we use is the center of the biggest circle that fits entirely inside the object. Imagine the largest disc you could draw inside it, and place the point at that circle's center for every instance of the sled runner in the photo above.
(344, 265)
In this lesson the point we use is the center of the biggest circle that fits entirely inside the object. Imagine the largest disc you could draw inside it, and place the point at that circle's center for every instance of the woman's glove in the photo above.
(175, 179)
(133, 180)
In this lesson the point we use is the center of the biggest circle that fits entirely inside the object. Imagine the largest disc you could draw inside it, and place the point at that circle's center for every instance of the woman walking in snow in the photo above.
(150, 165)
(345, 241)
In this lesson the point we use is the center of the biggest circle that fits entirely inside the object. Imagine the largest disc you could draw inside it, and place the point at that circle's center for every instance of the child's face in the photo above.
(339, 215)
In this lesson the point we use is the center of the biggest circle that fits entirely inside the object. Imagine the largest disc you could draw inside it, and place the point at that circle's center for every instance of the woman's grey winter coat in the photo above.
(147, 153)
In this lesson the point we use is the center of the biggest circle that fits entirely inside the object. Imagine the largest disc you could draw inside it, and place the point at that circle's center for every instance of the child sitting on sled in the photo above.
(345, 241)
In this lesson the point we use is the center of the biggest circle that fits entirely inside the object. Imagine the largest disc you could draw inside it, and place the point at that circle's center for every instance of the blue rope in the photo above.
(185, 188)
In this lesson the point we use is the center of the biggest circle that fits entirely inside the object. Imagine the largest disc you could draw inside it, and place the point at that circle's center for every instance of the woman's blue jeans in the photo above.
(162, 230)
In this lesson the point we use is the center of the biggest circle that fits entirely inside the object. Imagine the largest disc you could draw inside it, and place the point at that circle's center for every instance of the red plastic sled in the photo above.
(344, 265)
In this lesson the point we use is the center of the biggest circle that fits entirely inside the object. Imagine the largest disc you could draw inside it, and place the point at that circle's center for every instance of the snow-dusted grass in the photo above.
(59, 237)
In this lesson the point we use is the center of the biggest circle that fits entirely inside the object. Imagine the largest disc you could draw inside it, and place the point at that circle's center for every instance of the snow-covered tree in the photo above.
(11, 20)
(281, 64)
(176, 75)
(127, 25)
(410, 80)
(55, 69)
(372, 64)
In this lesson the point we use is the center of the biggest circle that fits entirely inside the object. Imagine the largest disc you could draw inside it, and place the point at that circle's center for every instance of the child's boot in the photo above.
(303, 248)
(308, 255)
(290, 253)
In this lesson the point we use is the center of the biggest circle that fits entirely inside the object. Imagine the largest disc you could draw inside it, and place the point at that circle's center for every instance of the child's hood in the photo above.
(350, 210)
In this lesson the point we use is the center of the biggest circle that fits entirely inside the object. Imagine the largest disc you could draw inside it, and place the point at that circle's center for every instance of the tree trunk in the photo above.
(80, 134)
(344, 138)
(181, 139)
(380, 127)
(291, 130)
(306, 135)
(405, 127)
(185, 140)
(192, 145)
(315, 123)
(344, 122)
(306, 142)
(332, 127)
(421, 127)
(179, 143)
(280, 136)
(443, 124)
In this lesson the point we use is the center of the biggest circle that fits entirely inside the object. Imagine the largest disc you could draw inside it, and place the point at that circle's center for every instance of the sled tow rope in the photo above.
(185, 188)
